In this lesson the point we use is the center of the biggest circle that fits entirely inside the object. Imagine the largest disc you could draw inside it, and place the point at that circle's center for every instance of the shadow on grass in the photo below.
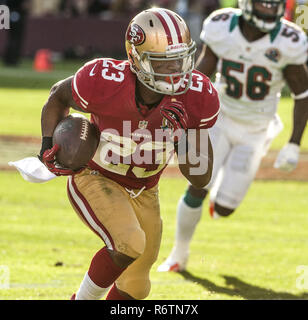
(238, 288)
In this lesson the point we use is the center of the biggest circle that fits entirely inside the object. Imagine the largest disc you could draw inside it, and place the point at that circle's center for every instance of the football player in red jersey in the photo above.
(134, 103)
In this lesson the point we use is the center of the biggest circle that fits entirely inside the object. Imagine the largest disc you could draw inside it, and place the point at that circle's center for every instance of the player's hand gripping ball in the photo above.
(49, 159)
(75, 141)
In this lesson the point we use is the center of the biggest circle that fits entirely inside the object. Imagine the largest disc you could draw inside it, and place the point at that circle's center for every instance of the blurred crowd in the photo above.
(107, 8)
(193, 11)
(102, 8)
(113, 8)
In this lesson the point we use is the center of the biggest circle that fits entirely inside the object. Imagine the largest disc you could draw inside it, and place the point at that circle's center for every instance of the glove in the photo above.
(288, 157)
(49, 160)
(176, 116)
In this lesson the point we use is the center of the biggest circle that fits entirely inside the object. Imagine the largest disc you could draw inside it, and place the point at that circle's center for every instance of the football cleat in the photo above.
(213, 213)
(175, 263)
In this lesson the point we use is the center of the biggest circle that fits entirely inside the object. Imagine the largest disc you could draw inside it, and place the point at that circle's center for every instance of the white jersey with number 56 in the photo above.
(250, 74)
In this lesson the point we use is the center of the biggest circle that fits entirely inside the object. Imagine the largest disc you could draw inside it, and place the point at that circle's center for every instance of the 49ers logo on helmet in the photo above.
(135, 34)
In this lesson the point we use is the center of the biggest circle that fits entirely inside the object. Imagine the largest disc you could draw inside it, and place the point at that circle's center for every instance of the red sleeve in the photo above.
(83, 84)
(202, 102)
(210, 108)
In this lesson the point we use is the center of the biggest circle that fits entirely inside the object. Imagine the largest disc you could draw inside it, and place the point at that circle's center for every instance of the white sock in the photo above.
(187, 220)
(89, 290)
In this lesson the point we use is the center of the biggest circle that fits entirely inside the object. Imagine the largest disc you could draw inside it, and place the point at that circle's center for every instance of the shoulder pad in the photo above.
(203, 102)
(217, 26)
(294, 43)
(84, 82)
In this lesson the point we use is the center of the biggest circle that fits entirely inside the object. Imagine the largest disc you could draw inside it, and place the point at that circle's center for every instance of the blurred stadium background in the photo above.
(50, 40)
(82, 29)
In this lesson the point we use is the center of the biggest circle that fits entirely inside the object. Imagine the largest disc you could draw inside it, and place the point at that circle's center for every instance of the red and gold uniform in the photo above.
(106, 89)
(117, 195)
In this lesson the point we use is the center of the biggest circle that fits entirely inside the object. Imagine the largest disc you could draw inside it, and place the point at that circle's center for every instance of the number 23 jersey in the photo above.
(129, 151)
(250, 74)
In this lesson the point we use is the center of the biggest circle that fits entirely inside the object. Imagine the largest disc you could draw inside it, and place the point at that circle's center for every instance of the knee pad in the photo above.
(242, 159)
(131, 242)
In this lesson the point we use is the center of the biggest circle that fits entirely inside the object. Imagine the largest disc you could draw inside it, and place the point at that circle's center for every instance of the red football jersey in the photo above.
(132, 150)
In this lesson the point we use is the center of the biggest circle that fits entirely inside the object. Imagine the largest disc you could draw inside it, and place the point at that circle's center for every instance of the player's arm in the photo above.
(207, 61)
(296, 77)
(57, 106)
(193, 146)
(196, 164)
(55, 109)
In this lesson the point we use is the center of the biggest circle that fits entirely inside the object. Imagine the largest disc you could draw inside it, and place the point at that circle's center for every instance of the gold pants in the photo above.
(128, 225)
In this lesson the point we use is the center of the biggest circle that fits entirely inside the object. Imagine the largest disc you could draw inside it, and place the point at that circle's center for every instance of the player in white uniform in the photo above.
(255, 52)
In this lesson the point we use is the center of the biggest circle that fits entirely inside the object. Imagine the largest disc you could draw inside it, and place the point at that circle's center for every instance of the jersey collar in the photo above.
(234, 22)
(274, 32)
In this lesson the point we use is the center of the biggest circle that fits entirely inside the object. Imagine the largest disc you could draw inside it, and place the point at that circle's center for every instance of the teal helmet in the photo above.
(264, 22)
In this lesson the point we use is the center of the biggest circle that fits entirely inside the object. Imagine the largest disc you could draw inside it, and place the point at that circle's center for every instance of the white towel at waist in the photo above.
(33, 170)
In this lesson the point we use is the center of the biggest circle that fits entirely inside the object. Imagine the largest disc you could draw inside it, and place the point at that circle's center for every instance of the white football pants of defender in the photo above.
(238, 149)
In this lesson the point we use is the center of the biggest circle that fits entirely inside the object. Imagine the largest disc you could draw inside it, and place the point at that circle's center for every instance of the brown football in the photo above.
(78, 139)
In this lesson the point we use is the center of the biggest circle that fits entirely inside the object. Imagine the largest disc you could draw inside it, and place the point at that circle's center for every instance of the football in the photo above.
(78, 139)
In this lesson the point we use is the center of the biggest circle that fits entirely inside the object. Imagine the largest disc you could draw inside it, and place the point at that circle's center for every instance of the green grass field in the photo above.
(251, 255)
(24, 92)
(21, 112)
(47, 249)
